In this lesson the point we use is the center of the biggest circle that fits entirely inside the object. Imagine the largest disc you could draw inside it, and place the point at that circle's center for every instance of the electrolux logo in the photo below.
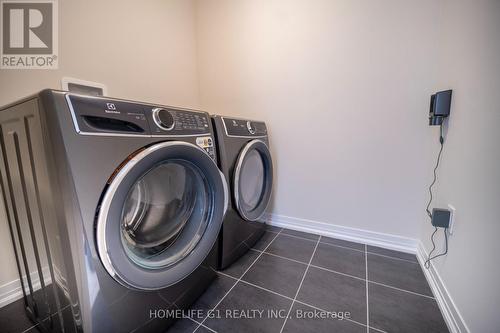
(29, 34)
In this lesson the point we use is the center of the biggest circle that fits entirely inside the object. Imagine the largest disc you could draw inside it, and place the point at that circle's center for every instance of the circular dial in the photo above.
(163, 118)
(250, 127)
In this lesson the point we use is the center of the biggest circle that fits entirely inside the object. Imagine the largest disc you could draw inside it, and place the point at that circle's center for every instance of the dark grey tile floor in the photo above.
(13, 317)
(297, 282)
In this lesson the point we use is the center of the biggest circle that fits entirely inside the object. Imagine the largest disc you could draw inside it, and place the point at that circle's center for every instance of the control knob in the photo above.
(250, 127)
(163, 119)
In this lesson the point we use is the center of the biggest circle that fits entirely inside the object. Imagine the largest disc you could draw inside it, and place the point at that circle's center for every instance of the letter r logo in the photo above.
(27, 28)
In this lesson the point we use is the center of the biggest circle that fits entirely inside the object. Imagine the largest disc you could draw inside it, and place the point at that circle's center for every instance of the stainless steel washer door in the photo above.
(160, 215)
(253, 180)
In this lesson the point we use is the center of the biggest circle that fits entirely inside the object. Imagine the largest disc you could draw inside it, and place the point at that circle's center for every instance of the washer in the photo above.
(114, 208)
(246, 162)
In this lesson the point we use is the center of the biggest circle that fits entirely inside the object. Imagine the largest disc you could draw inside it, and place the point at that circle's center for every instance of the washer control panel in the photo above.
(169, 121)
(105, 116)
(245, 128)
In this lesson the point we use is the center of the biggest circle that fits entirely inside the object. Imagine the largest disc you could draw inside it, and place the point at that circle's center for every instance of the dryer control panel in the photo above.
(244, 128)
(104, 116)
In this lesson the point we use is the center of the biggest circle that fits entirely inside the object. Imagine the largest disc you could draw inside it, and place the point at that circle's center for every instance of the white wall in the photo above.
(140, 50)
(344, 87)
(469, 176)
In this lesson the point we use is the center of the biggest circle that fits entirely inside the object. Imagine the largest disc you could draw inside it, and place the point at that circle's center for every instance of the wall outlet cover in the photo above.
(452, 219)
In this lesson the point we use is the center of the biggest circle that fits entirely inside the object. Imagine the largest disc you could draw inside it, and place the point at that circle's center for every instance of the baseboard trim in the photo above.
(388, 241)
(12, 291)
(451, 314)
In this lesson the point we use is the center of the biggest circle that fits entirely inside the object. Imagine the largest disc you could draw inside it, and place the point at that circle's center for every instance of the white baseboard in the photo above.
(451, 314)
(12, 291)
(388, 241)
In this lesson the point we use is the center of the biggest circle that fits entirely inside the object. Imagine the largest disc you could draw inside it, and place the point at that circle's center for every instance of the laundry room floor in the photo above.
(307, 278)
(312, 281)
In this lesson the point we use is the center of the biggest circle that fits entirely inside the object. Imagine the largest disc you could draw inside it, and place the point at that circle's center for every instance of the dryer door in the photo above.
(253, 180)
(160, 215)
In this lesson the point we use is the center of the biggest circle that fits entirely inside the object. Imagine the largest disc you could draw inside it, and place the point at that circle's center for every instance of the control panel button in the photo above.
(163, 119)
(244, 128)
(250, 127)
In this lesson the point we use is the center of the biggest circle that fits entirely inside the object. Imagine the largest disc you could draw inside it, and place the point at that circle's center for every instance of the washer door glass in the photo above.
(253, 178)
(155, 227)
(160, 215)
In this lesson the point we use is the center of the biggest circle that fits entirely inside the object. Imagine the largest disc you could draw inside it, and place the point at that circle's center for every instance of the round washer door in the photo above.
(253, 180)
(160, 215)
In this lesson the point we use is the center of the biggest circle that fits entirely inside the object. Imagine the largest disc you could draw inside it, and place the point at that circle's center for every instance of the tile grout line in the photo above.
(366, 285)
(369, 252)
(277, 255)
(297, 301)
(300, 237)
(337, 272)
(313, 239)
(348, 319)
(35, 325)
(200, 324)
(344, 247)
(29, 328)
(393, 258)
(249, 246)
(274, 232)
(403, 290)
(312, 265)
(263, 288)
(345, 274)
(177, 307)
(300, 285)
(350, 248)
(227, 293)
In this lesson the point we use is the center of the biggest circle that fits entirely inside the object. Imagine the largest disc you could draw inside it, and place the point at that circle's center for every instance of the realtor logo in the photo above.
(29, 34)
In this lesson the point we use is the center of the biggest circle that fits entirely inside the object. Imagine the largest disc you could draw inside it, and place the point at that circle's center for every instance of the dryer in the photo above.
(114, 209)
(246, 162)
